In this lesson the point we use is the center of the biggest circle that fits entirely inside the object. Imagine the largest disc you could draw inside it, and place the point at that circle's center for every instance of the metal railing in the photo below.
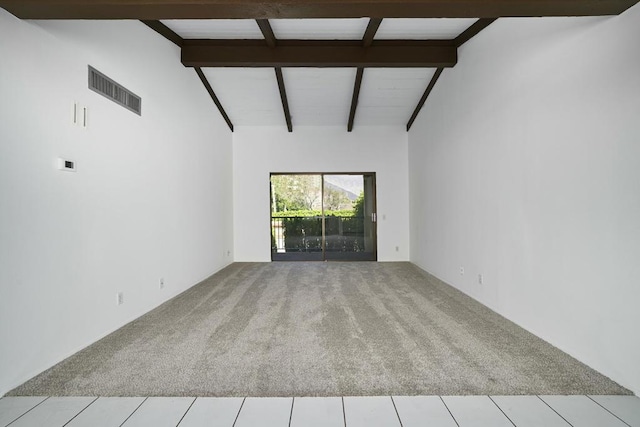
(304, 234)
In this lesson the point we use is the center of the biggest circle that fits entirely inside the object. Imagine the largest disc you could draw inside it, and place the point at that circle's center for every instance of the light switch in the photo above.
(80, 115)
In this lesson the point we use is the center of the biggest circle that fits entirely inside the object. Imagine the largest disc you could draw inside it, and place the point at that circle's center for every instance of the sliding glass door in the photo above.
(317, 217)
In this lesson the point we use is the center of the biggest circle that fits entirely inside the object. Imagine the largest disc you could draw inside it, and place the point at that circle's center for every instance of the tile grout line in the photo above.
(498, 406)
(134, 411)
(597, 403)
(543, 401)
(187, 411)
(396, 409)
(293, 399)
(344, 413)
(449, 410)
(35, 406)
(238, 414)
(293, 402)
(81, 411)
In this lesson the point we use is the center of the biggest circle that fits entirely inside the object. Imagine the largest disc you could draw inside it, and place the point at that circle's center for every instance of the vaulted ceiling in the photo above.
(312, 71)
(316, 62)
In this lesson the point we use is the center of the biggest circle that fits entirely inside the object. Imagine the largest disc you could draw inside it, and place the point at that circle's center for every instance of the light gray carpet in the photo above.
(320, 329)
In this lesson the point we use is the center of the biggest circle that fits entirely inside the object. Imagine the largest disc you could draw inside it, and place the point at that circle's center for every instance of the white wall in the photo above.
(259, 151)
(524, 167)
(151, 196)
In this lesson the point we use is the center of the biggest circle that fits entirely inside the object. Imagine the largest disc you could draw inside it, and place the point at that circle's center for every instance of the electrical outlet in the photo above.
(462, 271)
(480, 279)
(162, 283)
(120, 298)
(66, 165)
(397, 248)
(228, 253)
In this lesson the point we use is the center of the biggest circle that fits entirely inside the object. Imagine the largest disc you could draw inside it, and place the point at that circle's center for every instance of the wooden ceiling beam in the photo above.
(272, 42)
(173, 37)
(354, 99)
(473, 30)
(267, 32)
(164, 31)
(370, 33)
(425, 95)
(466, 35)
(266, 9)
(283, 98)
(215, 99)
(367, 41)
(217, 53)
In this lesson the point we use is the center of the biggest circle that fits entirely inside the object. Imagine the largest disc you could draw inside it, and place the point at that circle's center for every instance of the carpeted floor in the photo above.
(320, 329)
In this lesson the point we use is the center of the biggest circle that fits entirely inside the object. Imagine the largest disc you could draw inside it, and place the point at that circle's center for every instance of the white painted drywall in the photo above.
(524, 167)
(151, 196)
(259, 151)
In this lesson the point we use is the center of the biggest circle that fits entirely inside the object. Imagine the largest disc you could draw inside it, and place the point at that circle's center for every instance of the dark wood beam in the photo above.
(354, 99)
(430, 87)
(165, 32)
(283, 98)
(265, 9)
(272, 42)
(170, 35)
(473, 30)
(235, 53)
(215, 99)
(466, 35)
(370, 33)
(267, 32)
(367, 40)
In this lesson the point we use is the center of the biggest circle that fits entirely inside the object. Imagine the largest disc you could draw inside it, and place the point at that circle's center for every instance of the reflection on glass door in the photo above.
(296, 217)
(348, 217)
(323, 217)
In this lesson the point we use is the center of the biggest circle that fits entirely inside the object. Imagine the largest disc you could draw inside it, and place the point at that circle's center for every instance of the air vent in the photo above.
(103, 85)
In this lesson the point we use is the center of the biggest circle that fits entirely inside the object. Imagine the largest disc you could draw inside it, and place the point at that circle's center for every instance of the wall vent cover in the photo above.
(106, 87)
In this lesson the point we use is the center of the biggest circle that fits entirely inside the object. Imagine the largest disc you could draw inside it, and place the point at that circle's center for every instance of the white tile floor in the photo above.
(449, 411)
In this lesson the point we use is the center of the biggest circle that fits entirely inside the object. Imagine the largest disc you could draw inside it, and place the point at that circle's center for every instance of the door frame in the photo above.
(305, 256)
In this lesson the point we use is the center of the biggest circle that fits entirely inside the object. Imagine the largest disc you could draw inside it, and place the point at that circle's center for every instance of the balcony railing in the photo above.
(304, 234)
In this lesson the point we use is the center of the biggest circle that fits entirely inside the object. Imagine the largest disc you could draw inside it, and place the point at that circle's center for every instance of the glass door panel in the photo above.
(296, 217)
(348, 207)
(317, 217)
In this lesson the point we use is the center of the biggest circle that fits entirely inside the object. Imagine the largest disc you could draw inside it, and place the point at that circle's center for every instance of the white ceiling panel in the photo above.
(215, 28)
(422, 28)
(388, 96)
(319, 96)
(319, 29)
(250, 96)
